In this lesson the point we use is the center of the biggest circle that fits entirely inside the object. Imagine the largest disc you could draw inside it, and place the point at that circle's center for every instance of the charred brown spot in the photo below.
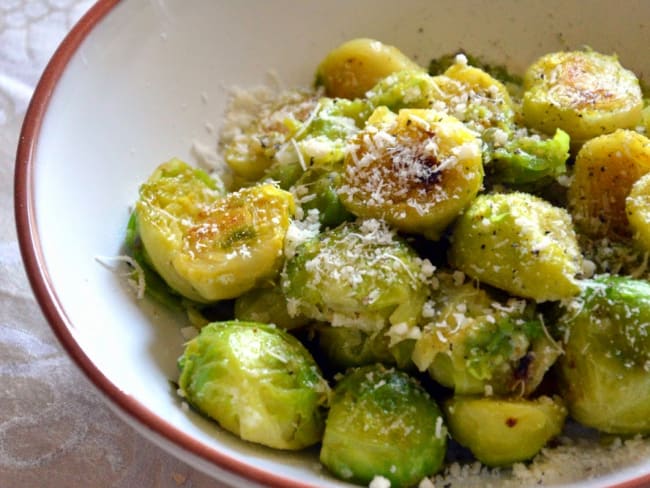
(523, 368)
(511, 422)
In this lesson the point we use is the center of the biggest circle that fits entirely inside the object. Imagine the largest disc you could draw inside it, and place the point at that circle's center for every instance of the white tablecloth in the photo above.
(55, 430)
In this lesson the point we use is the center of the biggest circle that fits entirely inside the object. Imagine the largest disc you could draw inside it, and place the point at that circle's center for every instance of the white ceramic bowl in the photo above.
(135, 83)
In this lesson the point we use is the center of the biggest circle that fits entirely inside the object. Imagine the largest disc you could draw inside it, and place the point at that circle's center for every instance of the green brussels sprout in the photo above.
(383, 423)
(256, 381)
(473, 97)
(500, 431)
(605, 371)
(205, 246)
(354, 67)
(358, 275)
(346, 347)
(259, 139)
(439, 65)
(637, 208)
(404, 89)
(584, 93)
(154, 286)
(267, 306)
(605, 170)
(317, 189)
(318, 141)
(476, 344)
(527, 159)
(417, 170)
(519, 243)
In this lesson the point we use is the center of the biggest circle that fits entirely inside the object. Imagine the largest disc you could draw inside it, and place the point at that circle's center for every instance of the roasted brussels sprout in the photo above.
(208, 247)
(256, 381)
(526, 160)
(291, 133)
(519, 243)
(382, 423)
(261, 139)
(584, 93)
(605, 371)
(267, 306)
(354, 67)
(358, 275)
(637, 209)
(606, 167)
(438, 66)
(346, 347)
(502, 431)
(474, 97)
(475, 344)
(417, 170)
(404, 89)
(317, 189)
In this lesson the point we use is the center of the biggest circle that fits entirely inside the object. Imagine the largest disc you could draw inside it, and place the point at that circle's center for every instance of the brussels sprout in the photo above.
(208, 247)
(320, 140)
(155, 286)
(526, 160)
(357, 275)
(404, 89)
(262, 138)
(606, 167)
(513, 82)
(519, 243)
(584, 93)
(354, 67)
(605, 371)
(637, 208)
(267, 306)
(382, 423)
(317, 189)
(417, 170)
(346, 347)
(474, 343)
(257, 382)
(500, 432)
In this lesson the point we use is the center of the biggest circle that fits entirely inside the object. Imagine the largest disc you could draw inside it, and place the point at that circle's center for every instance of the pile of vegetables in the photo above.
(402, 257)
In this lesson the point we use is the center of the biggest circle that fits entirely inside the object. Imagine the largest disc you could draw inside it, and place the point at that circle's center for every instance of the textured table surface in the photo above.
(55, 430)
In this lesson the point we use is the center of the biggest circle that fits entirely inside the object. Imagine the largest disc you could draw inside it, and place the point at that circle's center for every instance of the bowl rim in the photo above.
(48, 300)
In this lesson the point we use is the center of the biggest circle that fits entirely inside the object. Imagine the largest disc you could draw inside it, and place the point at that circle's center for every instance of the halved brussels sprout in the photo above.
(417, 170)
(511, 81)
(606, 167)
(317, 189)
(475, 343)
(525, 160)
(500, 431)
(584, 93)
(605, 371)
(346, 347)
(357, 275)
(296, 130)
(519, 243)
(404, 89)
(354, 67)
(267, 306)
(256, 381)
(256, 142)
(382, 423)
(208, 247)
(637, 208)
(474, 97)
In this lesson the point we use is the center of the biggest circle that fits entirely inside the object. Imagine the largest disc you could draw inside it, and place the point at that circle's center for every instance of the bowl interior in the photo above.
(149, 81)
